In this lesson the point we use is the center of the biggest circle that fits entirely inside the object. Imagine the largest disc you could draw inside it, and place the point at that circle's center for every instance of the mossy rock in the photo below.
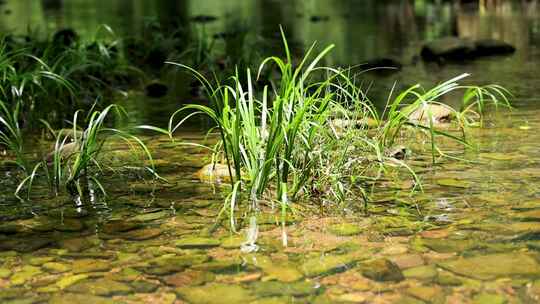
(284, 272)
(345, 229)
(70, 225)
(428, 294)
(455, 183)
(197, 243)
(427, 272)
(90, 265)
(101, 287)
(493, 266)
(25, 274)
(141, 286)
(113, 227)
(448, 279)
(489, 298)
(450, 245)
(272, 288)
(170, 264)
(70, 280)
(221, 266)
(190, 278)
(214, 293)
(381, 270)
(232, 242)
(329, 264)
(148, 217)
(142, 234)
(70, 298)
(38, 261)
(5, 273)
(54, 267)
(77, 244)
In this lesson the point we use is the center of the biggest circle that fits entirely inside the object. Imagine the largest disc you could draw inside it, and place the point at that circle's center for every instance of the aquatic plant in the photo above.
(76, 161)
(283, 145)
(11, 137)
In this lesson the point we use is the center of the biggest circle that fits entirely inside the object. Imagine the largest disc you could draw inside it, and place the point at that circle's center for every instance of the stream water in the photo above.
(472, 236)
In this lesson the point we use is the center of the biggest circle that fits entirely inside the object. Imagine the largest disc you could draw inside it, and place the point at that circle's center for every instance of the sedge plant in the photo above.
(280, 143)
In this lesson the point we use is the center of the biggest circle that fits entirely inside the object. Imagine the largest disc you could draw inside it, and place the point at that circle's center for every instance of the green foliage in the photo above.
(76, 163)
(283, 144)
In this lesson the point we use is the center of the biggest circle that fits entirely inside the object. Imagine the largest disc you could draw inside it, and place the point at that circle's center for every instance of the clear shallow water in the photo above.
(473, 235)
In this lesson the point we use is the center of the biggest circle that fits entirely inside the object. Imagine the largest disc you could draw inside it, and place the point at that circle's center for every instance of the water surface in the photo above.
(473, 235)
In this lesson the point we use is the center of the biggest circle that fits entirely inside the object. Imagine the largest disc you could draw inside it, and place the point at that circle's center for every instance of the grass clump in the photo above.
(76, 163)
(281, 143)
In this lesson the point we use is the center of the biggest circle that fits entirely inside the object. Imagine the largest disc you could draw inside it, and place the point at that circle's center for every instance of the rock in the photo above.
(286, 272)
(354, 297)
(70, 225)
(492, 47)
(70, 280)
(77, 244)
(142, 234)
(148, 217)
(458, 49)
(70, 298)
(435, 234)
(126, 275)
(5, 273)
(25, 274)
(214, 173)
(90, 265)
(215, 294)
(38, 261)
(272, 288)
(330, 264)
(490, 267)
(449, 245)
(436, 113)
(144, 286)
(171, 264)
(247, 277)
(190, 278)
(448, 48)
(156, 89)
(489, 298)
(233, 242)
(381, 270)
(113, 227)
(66, 151)
(345, 229)
(101, 287)
(406, 261)
(399, 152)
(29, 244)
(221, 266)
(448, 279)
(54, 267)
(197, 243)
(421, 273)
(428, 294)
(65, 37)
